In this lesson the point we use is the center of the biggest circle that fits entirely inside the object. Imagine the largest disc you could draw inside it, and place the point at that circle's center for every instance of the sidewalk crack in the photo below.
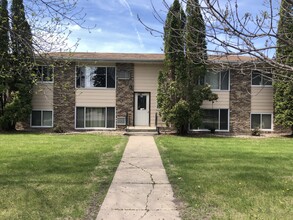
(153, 183)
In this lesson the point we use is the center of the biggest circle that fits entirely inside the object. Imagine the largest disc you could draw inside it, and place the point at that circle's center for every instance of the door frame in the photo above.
(134, 97)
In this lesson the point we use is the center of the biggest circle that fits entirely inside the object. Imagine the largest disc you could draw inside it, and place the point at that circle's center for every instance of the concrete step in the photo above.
(140, 131)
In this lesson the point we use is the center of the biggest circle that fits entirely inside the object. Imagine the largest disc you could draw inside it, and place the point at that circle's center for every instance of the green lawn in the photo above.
(230, 178)
(50, 176)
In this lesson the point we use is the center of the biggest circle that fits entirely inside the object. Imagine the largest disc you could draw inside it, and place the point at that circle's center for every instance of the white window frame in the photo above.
(42, 75)
(93, 66)
(95, 128)
(220, 81)
(42, 115)
(262, 113)
(262, 76)
(218, 130)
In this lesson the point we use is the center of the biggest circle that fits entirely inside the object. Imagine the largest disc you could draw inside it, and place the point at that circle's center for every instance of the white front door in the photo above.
(142, 109)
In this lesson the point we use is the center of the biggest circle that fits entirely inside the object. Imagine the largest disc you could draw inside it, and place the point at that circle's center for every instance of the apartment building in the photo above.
(109, 91)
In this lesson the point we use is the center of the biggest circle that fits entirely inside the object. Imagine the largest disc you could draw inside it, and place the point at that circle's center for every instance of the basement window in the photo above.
(261, 121)
(217, 119)
(42, 118)
(92, 117)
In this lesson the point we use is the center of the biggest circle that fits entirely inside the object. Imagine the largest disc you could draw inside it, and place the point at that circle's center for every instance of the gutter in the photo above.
(108, 60)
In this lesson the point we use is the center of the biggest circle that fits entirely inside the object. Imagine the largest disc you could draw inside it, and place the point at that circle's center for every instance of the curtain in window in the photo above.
(80, 77)
(95, 117)
(213, 80)
(89, 74)
(224, 80)
(47, 118)
(210, 119)
(266, 121)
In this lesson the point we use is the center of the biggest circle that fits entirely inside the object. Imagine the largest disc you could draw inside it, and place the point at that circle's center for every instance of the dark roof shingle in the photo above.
(137, 57)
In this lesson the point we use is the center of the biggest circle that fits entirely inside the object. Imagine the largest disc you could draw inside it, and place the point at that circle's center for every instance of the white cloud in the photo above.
(126, 4)
(96, 30)
(74, 27)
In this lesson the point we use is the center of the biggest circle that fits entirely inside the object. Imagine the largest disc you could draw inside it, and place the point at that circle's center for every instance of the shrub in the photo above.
(255, 132)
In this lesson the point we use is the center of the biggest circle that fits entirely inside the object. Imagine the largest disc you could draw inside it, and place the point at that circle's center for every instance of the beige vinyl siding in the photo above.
(262, 99)
(43, 96)
(146, 80)
(221, 103)
(96, 97)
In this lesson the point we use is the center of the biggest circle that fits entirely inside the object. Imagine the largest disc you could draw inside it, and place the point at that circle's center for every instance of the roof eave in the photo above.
(108, 60)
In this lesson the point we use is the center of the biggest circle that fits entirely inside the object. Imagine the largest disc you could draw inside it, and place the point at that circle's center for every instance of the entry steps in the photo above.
(140, 130)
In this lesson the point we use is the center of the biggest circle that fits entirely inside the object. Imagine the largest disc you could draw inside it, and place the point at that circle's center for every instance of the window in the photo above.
(261, 121)
(42, 118)
(95, 117)
(215, 119)
(95, 77)
(261, 79)
(141, 102)
(217, 80)
(44, 73)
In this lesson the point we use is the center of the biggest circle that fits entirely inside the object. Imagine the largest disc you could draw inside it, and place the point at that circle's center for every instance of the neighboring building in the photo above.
(109, 91)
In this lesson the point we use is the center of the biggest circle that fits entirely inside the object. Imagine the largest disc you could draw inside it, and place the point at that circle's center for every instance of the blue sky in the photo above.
(118, 29)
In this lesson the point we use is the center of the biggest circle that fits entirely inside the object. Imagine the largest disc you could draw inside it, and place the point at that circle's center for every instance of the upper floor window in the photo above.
(44, 73)
(261, 79)
(217, 80)
(95, 77)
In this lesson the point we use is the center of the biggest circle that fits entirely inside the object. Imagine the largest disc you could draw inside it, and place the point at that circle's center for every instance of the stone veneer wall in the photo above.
(124, 93)
(64, 96)
(240, 101)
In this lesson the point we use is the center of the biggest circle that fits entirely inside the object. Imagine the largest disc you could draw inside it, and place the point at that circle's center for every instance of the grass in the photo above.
(230, 178)
(49, 176)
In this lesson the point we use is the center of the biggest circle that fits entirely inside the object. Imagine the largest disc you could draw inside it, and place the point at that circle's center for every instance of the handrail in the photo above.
(156, 123)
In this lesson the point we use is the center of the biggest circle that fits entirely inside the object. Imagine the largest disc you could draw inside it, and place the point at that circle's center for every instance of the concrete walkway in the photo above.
(140, 188)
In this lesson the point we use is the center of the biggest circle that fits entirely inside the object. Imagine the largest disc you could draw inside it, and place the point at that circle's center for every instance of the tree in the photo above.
(171, 100)
(4, 54)
(4, 28)
(179, 95)
(283, 96)
(230, 31)
(18, 79)
(28, 33)
(196, 57)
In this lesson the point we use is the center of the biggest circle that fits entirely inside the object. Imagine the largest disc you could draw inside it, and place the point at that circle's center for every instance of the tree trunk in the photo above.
(183, 130)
